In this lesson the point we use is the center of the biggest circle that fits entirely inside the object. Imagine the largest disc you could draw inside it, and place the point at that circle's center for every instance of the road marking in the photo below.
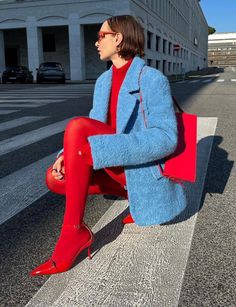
(15, 105)
(23, 187)
(233, 80)
(4, 112)
(233, 69)
(194, 81)
(207, 80)
(220, 80)
(44, 91)
(20, 122)
(155, 252)
(56, 95)
(31, 137)
(46, 101)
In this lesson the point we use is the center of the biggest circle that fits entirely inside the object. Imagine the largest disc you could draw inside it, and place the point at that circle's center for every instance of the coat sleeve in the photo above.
(155, 142)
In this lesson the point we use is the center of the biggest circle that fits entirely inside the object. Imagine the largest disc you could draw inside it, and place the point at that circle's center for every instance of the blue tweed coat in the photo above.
(153, 199)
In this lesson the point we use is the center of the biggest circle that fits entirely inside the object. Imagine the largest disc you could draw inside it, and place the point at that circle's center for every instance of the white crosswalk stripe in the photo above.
(20, 121)
(19, 191)
(194, 81)
(33, 136)
(220, 80)
(16, 105)
(43, 101)
(5, 112)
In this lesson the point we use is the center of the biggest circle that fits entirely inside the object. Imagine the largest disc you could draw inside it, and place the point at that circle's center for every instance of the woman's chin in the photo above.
(104, 58)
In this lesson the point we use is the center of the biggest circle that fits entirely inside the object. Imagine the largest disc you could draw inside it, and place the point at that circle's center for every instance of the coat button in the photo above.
(80, 153)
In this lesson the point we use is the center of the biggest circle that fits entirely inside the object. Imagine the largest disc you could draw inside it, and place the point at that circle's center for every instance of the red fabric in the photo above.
(101, 183)
(181, 165)
(78, 175)
(118, 75)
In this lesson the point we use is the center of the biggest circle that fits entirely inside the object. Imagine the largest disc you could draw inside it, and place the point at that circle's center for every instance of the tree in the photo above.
(211, 30)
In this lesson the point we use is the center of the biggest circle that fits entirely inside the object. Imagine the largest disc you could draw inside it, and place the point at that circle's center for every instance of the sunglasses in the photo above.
(102, 34)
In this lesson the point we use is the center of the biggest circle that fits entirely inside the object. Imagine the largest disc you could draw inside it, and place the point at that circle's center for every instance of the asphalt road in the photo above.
(28, 236)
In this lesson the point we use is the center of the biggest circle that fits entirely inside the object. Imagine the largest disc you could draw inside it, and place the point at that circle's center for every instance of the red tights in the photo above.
(81, 179)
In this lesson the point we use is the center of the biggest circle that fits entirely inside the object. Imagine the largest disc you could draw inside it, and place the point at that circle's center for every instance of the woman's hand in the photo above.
(58, 170)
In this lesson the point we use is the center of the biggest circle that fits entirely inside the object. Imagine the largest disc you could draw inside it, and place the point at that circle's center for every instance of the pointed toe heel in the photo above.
(51, 267)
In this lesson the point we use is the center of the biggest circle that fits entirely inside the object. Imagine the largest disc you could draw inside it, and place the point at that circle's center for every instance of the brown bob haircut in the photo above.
(133, 35)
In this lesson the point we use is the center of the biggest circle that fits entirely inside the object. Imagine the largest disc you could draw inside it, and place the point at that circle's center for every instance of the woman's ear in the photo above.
(119, 38)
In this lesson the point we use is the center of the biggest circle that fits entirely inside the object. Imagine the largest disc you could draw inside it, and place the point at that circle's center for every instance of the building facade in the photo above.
(35, 31)
(222, 49)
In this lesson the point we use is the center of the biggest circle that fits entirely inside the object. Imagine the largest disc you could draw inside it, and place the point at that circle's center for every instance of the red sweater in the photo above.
(118, 75)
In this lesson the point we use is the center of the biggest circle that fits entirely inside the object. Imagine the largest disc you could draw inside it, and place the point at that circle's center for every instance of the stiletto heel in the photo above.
(128, 220)
(89, 253)
(51, 267)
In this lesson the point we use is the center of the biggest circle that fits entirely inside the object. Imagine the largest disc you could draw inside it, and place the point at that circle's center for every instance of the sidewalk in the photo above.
(131, 265)
(196, 73)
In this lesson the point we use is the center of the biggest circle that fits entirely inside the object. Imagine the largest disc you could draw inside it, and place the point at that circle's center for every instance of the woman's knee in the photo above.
(78, 124)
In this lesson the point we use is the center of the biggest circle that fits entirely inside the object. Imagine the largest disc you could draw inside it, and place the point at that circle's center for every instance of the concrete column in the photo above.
(2, 53)
(76, 46)
(34, 44)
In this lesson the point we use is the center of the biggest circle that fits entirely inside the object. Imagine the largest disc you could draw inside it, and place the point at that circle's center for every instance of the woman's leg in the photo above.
(101, 183)
(104, 181)
(75, 236)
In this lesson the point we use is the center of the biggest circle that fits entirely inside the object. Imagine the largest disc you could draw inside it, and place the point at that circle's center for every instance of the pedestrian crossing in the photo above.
(21, 188)
(52, 92)
(31, 137)
(13, 99)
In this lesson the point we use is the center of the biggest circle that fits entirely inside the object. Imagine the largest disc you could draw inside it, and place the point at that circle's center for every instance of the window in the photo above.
(169, 49)
(149, 40)
(164, 66)
(149, 62)
(174, 68)
(49, 44)
(164, 45)
(158, 43)
(158, 63)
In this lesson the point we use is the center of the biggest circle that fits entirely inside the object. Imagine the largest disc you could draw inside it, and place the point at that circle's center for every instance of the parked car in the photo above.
(17, 74)
(50, 71)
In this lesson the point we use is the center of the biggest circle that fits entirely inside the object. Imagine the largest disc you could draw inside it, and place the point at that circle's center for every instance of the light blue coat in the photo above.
(153, 199)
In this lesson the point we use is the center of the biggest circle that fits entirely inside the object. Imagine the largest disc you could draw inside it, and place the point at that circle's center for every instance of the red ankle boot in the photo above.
(128, 219)
(53, 267)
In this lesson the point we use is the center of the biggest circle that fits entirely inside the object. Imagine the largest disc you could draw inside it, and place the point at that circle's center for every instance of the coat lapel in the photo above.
(104, 96)
(126, 99)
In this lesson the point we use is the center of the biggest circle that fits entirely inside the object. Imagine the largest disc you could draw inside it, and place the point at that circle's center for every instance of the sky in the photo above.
(220, 14)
